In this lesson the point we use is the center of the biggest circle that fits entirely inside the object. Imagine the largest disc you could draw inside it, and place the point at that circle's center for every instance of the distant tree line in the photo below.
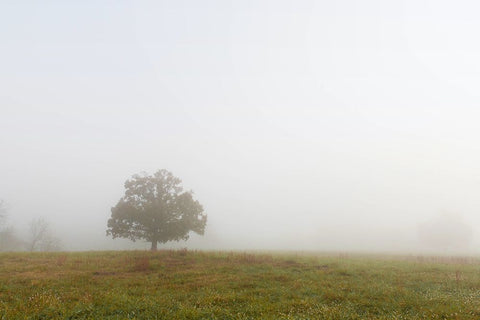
(39, 238)
(446, 231)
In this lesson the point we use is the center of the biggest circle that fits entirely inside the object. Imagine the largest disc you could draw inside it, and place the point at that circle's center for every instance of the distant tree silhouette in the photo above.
(446, 231)
(3, 211)
(8, 238)
(41, 237)
(156, 209)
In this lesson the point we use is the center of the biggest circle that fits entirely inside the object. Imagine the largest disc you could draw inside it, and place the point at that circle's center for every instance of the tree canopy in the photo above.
(155, 208)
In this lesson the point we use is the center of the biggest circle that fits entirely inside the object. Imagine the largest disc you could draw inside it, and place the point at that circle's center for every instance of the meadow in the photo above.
(181, 284)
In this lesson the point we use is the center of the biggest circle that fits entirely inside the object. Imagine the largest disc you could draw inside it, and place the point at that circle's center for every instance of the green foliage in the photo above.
(156, 209)
(225, 285)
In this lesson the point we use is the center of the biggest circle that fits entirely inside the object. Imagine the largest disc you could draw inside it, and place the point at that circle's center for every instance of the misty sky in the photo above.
(298, 124)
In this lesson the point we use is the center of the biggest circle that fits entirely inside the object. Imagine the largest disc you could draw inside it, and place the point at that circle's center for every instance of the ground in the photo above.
(233, 285)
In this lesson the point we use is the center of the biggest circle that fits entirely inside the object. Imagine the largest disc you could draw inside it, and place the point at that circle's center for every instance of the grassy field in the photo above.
(223, 285)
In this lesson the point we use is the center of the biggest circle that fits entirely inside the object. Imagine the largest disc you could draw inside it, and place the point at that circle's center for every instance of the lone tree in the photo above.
(156, 209)
(41, 237)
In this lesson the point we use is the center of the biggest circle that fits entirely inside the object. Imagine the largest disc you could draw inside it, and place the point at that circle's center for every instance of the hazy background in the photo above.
(305, 125)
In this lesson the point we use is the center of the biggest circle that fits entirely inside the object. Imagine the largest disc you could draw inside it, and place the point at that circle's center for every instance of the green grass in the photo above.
(223, 285)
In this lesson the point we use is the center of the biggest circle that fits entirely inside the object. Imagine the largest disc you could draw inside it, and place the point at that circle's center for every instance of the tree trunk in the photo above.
(154, 246)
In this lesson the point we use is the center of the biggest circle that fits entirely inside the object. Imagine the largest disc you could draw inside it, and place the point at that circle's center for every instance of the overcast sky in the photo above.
(298, 124)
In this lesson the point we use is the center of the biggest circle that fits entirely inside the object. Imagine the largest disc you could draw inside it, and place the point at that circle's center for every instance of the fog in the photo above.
(299, 125)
